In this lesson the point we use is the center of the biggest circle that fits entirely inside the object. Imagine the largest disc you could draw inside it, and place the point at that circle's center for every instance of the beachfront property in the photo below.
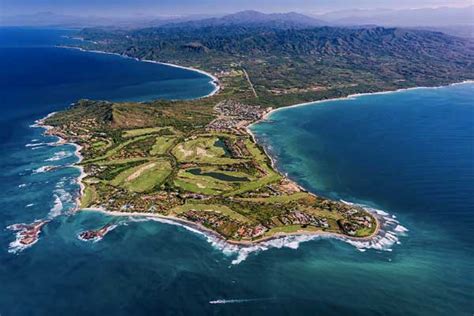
(149, 160)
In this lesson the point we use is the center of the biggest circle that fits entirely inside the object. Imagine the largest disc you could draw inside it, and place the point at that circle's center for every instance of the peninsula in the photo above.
(197, 163)
(194, 162)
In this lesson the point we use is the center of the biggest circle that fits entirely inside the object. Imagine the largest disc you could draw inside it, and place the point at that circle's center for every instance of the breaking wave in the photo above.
(23, 230)
(59, 156)
(43, 169)
(57, 208)
(388, 235)
(36, 145)
(99, 238)
(62, 199)
(16, 246)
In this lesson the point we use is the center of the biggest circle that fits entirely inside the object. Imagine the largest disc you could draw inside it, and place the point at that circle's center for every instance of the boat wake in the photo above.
(238, 300)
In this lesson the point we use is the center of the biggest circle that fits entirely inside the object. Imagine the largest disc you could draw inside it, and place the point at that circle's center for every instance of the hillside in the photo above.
(303, 64)
(254, 19)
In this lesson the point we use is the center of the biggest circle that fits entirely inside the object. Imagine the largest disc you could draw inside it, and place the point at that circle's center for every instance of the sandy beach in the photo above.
(351, 96)
(214, 81)
(380, 220)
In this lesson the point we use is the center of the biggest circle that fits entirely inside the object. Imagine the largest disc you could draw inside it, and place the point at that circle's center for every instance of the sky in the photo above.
(187, 7)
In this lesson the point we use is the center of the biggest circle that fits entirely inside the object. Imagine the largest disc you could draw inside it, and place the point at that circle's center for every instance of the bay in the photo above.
(408, 153)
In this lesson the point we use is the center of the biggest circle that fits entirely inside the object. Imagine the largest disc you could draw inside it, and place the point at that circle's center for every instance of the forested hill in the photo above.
(303, 63)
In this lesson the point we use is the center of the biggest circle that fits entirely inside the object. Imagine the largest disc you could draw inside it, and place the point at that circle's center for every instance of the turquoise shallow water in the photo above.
(408, 153)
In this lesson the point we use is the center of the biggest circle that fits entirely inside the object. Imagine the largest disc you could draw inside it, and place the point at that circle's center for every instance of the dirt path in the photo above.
(250, 82)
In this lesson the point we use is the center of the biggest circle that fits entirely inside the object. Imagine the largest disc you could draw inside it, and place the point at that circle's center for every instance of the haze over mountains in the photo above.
(442, 16)
(255, 18)
(455, 21)
(249, 17)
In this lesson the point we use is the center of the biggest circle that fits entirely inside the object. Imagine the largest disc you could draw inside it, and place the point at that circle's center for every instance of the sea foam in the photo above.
(388, 235)
(99, 238)
(59, 156)
(43, 169)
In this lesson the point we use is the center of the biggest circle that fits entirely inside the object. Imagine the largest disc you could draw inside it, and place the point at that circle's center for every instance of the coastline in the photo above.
(380, 220)
(274, 165)
(195, 226)
(351, 97)
(61, 141)
(271, 111)
(214, 81)
(246, 243)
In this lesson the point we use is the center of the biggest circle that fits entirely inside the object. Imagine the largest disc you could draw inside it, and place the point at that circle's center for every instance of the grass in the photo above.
(141, 131)
(192, 186)
(288, 229)
(99, 145)
(364, 232)
(201, 184)
(254, 185)
(143, 177)
(134, 164)
(211, 208)
(269, 177)
(256, 153)
(120, 161)
(116, 149)
(202, 149)
(277, 199)
(89, 196)
(162, 145)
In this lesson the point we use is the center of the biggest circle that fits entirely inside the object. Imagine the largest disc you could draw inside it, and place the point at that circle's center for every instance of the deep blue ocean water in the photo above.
(408, 153)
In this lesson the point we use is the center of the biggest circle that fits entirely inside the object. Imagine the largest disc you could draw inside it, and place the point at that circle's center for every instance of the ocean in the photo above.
(407, 153)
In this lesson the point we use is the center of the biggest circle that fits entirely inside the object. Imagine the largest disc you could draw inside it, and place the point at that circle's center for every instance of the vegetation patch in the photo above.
(162, 145)
(141, 131)
(222, 209)
(143, 177)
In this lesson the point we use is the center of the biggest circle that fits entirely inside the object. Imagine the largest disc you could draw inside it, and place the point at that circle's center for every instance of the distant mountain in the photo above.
(50, 19)
(442, 16)
(255, 18)
(42, 19)
(243, 18)
(466, 31)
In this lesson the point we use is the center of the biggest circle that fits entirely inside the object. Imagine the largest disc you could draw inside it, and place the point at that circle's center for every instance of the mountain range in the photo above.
(455, 21)
(298, 61)
(442, 16)
(255, 18)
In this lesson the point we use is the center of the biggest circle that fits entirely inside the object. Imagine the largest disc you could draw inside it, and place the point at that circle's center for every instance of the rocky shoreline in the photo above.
(248, 119)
